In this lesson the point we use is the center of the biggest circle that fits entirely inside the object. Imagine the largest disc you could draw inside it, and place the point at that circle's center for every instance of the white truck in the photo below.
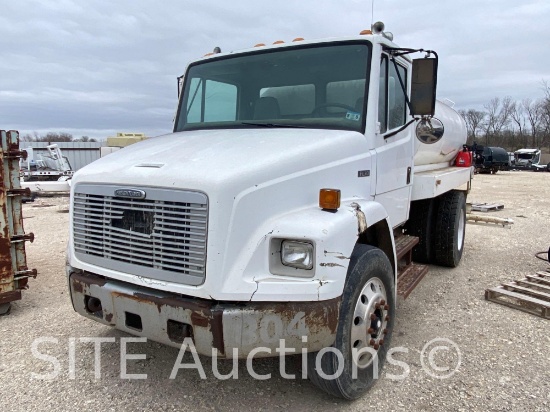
(531, 159)
(299, 184)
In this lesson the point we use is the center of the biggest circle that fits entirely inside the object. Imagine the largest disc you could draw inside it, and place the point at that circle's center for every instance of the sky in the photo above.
(97, 67)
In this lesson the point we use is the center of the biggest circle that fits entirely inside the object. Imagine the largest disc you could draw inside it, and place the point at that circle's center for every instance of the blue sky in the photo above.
(97, 67)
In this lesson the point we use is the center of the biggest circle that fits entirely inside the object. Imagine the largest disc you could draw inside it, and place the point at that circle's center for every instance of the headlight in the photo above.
(297, 254)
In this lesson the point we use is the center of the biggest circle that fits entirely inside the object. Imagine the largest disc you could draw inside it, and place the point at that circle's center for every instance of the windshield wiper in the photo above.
(273, 125)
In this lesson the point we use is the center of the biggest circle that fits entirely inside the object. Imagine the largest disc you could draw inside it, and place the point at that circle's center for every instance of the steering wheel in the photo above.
(329, 104)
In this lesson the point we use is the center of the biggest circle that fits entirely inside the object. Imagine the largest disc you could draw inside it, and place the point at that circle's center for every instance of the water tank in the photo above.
(445, 148)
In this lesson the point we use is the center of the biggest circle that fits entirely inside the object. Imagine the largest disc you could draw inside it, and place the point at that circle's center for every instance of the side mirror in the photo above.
(423, 88)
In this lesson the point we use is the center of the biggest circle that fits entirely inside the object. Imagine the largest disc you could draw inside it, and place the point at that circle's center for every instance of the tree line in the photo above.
(54, 137)
(511, 124)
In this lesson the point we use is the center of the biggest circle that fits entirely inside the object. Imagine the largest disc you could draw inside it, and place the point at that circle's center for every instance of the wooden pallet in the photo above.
(486, 207)
(531, 294)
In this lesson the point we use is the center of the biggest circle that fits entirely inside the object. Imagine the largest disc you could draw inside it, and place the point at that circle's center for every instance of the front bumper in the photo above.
(233, 328)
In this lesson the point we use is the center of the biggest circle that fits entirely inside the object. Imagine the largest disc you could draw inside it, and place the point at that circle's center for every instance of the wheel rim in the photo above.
(461, 224)
(370, 322)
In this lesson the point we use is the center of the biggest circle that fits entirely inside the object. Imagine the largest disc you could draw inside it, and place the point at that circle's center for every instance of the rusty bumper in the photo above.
(233, 328)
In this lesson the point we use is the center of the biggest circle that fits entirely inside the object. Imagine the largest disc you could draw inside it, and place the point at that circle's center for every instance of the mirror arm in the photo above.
(403, 88)
(414, 119)
(400, 51)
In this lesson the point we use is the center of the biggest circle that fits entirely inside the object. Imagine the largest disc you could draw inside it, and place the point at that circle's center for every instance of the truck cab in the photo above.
(294, 190)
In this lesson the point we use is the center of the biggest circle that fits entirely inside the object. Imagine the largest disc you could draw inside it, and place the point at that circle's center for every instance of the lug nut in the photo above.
(377, 306)
(385, 331)
(387, 318)
(381, 342)
(370, 331)
(373, 317)
(382, 302)
(372, 342)
(386, 307)
(376, 346)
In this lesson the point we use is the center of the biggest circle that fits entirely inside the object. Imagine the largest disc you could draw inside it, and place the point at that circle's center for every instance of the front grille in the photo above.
(160, 237)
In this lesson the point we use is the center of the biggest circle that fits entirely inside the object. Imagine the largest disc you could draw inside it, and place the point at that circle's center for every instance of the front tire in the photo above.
(5, 309)
(364, 331)
(450, 229)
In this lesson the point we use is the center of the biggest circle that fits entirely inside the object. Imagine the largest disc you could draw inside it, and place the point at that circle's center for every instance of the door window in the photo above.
(391, 99)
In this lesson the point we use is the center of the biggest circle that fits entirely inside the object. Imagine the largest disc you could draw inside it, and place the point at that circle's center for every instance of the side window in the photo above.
(220, 102)
(383, 95)
(396, 99)
(211, 101)
(194, 104)
(391, 100)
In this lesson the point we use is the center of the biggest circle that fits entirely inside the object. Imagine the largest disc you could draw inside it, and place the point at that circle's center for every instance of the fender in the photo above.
(375, 229)
(334, 236)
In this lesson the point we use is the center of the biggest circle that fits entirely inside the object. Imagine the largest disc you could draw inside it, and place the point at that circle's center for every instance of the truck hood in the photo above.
(212, 159)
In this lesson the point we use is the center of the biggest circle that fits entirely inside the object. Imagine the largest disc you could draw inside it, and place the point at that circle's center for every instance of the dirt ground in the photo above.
(504, 353)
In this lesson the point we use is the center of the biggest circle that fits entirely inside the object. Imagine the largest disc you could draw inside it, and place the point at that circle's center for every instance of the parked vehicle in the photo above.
(491, 159)
(298, 181)
(46, 168)
(531, 159)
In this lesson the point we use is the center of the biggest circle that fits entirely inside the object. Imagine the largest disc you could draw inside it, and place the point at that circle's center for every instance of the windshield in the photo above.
(526, 156)
(314, 87)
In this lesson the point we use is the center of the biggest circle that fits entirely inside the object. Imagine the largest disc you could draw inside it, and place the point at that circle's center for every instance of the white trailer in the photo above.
(299, 184)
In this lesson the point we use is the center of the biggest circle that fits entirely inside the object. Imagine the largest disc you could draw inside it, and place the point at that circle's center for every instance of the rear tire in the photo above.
(450, 228)
(365, 321)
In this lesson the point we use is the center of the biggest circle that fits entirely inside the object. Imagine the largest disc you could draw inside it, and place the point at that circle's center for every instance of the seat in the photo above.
(267, 108)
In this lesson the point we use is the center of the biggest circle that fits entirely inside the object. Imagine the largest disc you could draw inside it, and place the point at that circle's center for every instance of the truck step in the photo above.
(409, 277)
(409, 273)
(531, 294)
(404, 244)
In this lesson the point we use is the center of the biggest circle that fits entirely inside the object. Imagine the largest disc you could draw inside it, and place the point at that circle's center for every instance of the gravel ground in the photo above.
(504, 353)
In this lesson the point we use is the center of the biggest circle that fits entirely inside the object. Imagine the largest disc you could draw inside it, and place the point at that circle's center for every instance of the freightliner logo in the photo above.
(132, 193)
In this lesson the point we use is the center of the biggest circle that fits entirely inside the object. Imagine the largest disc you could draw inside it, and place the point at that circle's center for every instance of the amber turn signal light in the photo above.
(329, 199)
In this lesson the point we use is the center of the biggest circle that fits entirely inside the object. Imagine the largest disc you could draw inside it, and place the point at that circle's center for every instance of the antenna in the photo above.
(372, 12)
